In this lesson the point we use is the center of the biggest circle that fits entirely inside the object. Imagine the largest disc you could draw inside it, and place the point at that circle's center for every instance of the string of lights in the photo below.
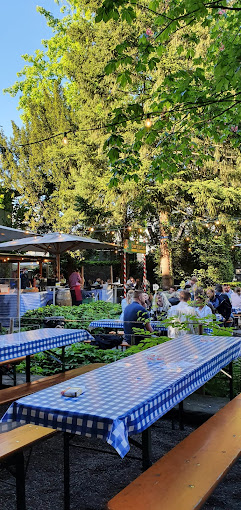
(148, 124)
(112, 229)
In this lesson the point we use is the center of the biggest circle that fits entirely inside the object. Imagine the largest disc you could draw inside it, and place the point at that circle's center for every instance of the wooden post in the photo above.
(111, 274)
(40, 268)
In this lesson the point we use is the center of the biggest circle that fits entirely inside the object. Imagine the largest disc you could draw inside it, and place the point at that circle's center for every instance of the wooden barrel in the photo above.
(63, 297)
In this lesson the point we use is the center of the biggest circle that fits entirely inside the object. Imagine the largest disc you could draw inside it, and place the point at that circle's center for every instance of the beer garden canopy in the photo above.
(55, 243)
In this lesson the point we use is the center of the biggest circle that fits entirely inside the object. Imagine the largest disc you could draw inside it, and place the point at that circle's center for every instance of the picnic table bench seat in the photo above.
(186, 476)
(12, 444)
(10, 365)
(8, 395)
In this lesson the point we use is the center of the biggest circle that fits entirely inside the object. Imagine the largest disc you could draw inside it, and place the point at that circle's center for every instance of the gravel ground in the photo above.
(98, 475)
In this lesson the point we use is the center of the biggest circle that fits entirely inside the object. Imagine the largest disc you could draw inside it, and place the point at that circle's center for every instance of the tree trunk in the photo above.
(165, 260)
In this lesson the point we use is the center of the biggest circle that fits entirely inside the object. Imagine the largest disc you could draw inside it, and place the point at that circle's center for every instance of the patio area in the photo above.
(44, 483)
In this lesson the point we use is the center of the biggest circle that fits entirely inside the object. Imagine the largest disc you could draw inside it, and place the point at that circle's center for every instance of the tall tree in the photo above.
(200, 99)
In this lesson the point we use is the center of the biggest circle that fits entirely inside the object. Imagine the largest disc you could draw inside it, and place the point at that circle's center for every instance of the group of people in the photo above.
(181, 306)
(77, 284)
(136, 284)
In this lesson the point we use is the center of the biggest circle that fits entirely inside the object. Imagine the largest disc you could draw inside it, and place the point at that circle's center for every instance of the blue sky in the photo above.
(21, 30)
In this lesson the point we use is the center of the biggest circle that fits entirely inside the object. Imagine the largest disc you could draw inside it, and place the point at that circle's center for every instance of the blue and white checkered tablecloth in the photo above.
(127, 396)
(28, 301)
(119, 324)
(236, 310)
(25, 343)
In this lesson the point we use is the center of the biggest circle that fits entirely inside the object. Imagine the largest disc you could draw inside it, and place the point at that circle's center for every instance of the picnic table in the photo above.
(127, 396)
(28, 301)
(27, 343)
(119, 324)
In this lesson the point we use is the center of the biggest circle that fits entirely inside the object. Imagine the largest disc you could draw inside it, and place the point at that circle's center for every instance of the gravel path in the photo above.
(96, 476)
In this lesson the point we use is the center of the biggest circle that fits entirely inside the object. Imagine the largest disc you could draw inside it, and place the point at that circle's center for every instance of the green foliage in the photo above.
(106, 68)
(195, 50)
(192, 323)
(81, 354)
(77, 317)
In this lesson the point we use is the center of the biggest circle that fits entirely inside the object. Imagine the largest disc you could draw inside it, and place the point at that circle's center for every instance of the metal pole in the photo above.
(58, 265)
(231, 380)
(66, 472)
(144, 273)
(146, 449)
(20, 481)
(124, 272)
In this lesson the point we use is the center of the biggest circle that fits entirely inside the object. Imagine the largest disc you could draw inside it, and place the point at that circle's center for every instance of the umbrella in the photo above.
(8, 233)
(55, 243)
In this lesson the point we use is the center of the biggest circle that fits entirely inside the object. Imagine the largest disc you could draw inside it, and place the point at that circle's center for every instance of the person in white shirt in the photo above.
(236, 298)
(182, 313)
(202, 310)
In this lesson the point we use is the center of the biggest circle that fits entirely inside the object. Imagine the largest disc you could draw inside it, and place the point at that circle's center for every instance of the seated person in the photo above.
(182, 313)
(148, 300)
(224, 307)
(202, 309)
(62, 279)
(126, 301)
(173, 296)
(131, 283)
(236, 298)
(227, 290)
(213, 300)
(98, 283)
(107, 285)
(136, 316)
(160, 305)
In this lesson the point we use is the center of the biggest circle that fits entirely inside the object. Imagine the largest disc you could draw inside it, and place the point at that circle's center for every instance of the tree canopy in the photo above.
(110, 66)
(198, 103)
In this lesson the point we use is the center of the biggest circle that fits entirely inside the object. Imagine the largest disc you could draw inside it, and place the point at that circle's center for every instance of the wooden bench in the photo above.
(15, 392)
(185, 477)
(10, 363)
(12, 444)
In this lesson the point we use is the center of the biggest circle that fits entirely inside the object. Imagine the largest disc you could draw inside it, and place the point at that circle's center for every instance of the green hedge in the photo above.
(77, 317)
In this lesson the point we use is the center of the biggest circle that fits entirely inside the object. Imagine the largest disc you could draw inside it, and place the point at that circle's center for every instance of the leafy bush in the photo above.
(77, 317)
(82, 354)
